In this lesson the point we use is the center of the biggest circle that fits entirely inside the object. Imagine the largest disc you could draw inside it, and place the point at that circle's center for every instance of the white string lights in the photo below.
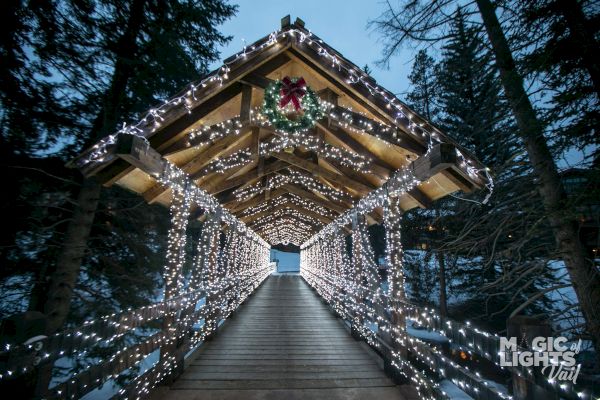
(222, 165)
(401, 182)
(291, 198)
(315, 144)
(228, 272)
(288, 221)
(292, 176)
(353, 290)
(186, 101)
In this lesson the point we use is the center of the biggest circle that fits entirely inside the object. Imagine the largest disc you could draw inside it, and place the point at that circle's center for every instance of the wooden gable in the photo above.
(365, 120)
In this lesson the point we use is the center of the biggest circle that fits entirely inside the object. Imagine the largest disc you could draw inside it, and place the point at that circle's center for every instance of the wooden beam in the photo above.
(255, 144)
(287, 213)
(241, 169)
(378, 130)
(236, 206)
(332, 126)
(198, 162)
(240, 180)
(460, 179)
(256, 80)
(325, 220)
(318, 171)
(440, 158)
(316, 216)
(378, 166)
(170, 132)
(262, 228)
(211, 98)
(351, 173)
(253, 217)
(136, 152)
(216, 178)
(314, 198)
(421, 198)
(358, 93)
(345, 197)
(246, 103)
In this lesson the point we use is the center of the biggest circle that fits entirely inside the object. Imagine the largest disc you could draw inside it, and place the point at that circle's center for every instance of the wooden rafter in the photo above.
(316, 170)
(175, 127)
(349, 172)
(259, 225)
(378, 166)
(420, 198)
(408, 142)
(290, 205)
(358, 93)
(216, 149)
(288, 188)
(252, 175)
(199, 162)
(235, 206)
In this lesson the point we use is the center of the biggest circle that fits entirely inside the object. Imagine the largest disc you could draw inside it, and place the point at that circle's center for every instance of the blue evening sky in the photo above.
(341, 24)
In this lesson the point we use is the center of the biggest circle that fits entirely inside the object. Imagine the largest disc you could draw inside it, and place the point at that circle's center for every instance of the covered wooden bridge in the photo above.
(287, 143)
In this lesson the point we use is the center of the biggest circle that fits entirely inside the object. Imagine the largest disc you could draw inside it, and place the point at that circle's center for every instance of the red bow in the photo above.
(292, 91)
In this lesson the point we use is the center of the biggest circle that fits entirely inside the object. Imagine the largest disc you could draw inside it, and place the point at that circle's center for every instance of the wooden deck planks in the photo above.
(284, 343)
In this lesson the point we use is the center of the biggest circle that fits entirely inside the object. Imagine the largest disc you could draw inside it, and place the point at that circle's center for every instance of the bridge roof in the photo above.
(214, 132)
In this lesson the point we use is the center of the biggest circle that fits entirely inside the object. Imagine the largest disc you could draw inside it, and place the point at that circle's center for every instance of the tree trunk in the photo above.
(442, 277)
(582, 34)
(64, 277)
(585, 280)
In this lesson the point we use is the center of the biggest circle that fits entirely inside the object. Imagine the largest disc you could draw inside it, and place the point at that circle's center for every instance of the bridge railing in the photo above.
(352, 286)
(189, 310)
(229, 264)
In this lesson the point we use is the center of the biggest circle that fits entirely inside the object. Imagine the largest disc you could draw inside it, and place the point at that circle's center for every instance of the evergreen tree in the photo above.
(469, 94)
(475, 113)
(454, 234)
(98, 63)
(152, 48)
(33, 114)
(426, 22)
(424, 94)
(564, 57)
(77, 70)
(420, 276)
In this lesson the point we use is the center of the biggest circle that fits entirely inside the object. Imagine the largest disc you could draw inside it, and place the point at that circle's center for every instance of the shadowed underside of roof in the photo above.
(287, 188)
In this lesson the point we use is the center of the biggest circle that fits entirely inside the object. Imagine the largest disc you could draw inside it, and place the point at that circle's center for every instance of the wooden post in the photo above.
(394, 256)
(228, 268)
(525, 329)
(357, 269)
(180, 211)
(210, 270)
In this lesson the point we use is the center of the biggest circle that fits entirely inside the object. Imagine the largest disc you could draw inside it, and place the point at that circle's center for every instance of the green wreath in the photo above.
(291, 92)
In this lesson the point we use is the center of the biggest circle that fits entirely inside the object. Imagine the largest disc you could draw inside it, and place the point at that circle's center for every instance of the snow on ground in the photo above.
(453, 391)
(498, 386)
(424, 334)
